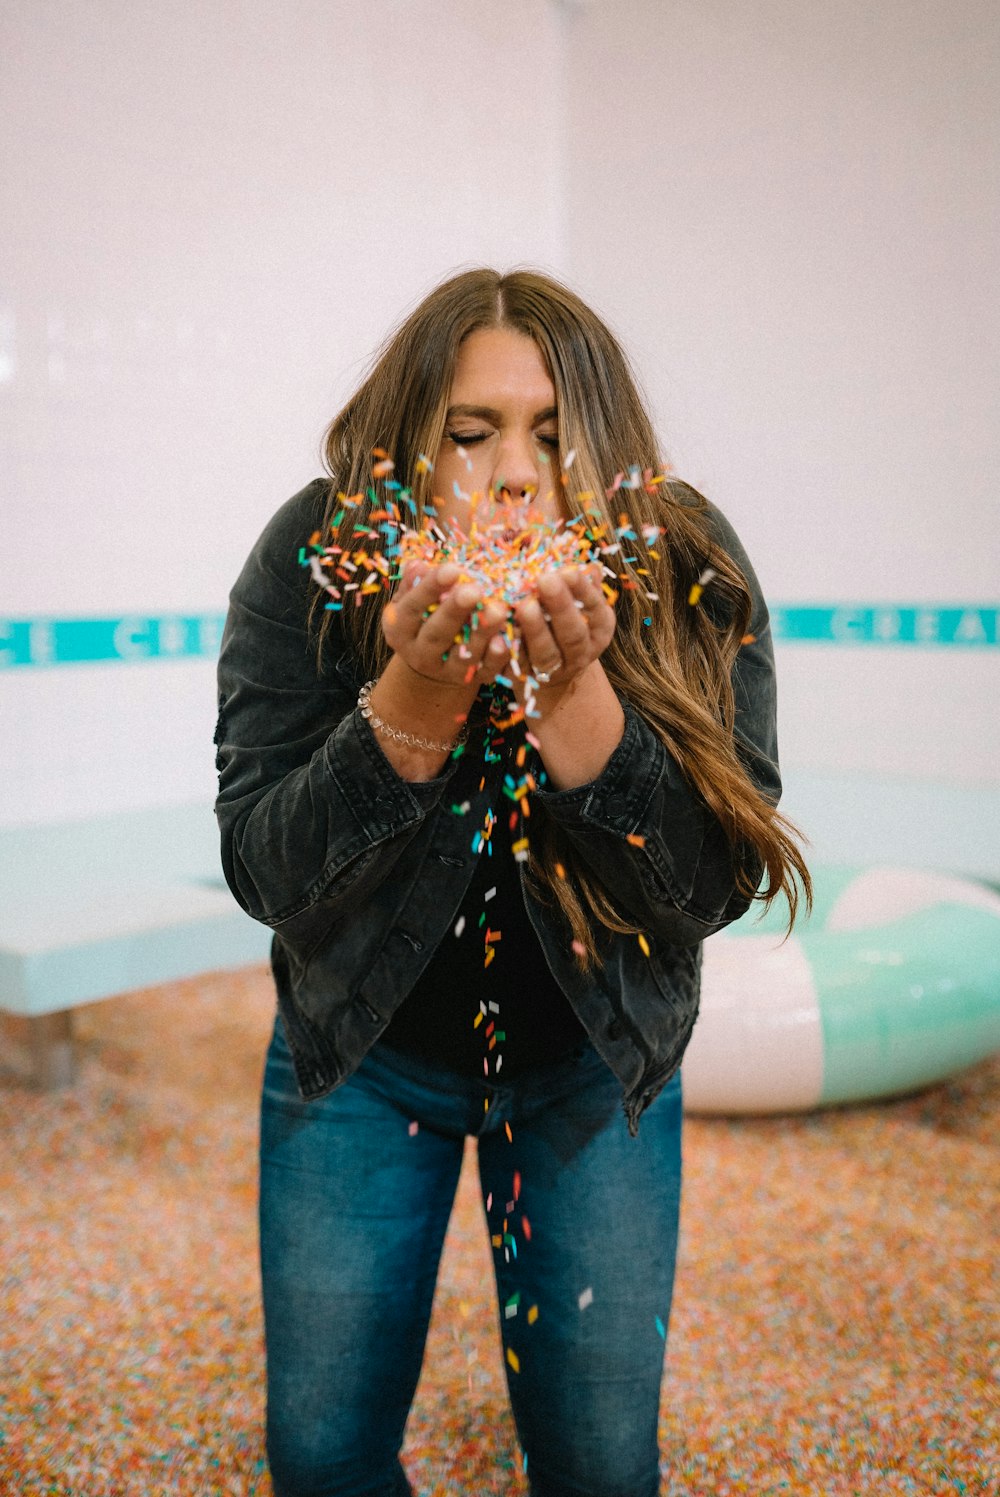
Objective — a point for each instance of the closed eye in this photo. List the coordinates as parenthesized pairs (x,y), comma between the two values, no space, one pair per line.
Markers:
(472,438)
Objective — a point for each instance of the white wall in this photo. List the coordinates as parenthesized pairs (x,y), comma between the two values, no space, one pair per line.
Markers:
(791,213)
(210,215)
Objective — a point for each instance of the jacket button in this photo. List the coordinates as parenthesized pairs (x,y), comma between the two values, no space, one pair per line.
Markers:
(616,805)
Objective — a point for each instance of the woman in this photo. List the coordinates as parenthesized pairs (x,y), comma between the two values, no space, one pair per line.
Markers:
(432,986)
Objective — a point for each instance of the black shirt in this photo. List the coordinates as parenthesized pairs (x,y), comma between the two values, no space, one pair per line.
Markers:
(487,993)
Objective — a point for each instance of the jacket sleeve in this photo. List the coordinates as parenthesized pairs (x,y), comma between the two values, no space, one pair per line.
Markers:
(678,880)
(310,811)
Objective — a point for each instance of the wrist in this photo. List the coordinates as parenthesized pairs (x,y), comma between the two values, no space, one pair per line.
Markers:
(579,727)
(409,703)
(404,736)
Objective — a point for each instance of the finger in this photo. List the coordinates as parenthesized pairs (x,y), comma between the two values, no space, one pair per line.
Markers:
(566,620)
(584,583)
(461,618)
(420,590)
(596,612)
(539,641)
(496,659)
(431,584)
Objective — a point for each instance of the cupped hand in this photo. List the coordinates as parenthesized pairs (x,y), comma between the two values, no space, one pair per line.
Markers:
(440,628)
(566,626)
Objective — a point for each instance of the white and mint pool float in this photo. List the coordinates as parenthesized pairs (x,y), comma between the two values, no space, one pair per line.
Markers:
(892,985)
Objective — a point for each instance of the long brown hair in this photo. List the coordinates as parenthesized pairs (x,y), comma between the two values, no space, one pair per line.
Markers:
(676,668)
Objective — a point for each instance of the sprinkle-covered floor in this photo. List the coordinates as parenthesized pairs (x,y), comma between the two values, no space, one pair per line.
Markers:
(836,1326)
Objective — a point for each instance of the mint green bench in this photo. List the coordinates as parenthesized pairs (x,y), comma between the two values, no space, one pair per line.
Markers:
(91,909)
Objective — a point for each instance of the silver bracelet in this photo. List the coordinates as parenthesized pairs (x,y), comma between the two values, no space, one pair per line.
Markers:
(369,714)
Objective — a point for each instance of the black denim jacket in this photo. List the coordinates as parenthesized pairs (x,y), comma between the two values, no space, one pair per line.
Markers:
(360,873)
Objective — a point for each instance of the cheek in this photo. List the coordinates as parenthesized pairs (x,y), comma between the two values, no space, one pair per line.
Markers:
(449,471)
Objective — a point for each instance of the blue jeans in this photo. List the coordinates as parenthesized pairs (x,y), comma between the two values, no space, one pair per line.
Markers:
(354,1204)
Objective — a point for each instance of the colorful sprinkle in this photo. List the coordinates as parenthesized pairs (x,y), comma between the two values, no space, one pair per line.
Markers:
(820,1342)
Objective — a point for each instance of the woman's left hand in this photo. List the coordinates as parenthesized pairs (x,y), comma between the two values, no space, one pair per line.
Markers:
(566,626)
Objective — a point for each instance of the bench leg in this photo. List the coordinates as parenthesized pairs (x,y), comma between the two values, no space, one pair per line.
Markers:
(53,1062)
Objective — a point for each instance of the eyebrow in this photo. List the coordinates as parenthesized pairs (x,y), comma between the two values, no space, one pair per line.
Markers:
(490,413)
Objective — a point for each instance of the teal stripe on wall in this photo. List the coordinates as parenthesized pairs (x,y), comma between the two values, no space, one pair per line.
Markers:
(47,641)
(51,641)
(955,625)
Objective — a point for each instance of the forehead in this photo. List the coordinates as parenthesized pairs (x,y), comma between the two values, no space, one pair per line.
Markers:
(506,365)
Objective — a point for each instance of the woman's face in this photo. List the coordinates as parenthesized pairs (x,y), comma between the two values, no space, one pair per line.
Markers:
(500,452)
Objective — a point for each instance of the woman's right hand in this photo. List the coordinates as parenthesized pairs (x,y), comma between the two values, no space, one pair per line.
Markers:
(425,623)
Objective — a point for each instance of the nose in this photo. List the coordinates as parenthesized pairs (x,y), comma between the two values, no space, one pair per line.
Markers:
(517,476)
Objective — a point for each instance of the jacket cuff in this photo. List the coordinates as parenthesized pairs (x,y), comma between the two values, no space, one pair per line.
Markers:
(619,796)
(383,802)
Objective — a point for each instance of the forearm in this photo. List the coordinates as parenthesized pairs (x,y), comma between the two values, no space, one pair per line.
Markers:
(580,727)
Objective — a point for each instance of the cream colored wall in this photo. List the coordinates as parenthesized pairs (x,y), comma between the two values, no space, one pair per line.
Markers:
(792,212)
(210,215)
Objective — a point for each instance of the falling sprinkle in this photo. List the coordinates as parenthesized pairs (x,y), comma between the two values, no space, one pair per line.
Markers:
(661,1328)
(532,1314)
(635,839)
(513,1360)
(510,1136)
(643,944)
(414,1127)
(694,596)
(586,1299)
(459,925)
